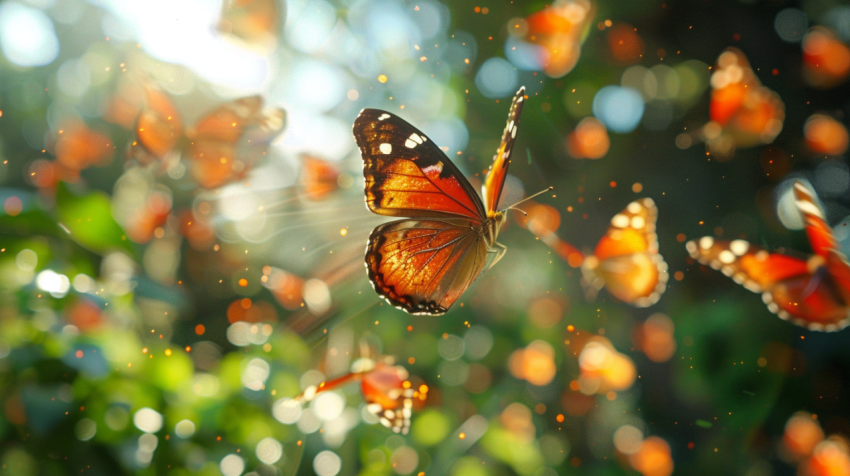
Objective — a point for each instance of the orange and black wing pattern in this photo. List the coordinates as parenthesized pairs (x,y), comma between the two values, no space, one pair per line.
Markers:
(391,397)
(626,261)
(819,232)
(797,290)
(227,141)
(822,239)
(408,175)
(495,181)
(424,266)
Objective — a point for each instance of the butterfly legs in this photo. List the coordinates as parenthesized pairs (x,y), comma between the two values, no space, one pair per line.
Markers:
(500,251)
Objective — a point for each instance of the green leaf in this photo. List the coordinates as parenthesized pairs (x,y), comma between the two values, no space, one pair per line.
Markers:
(88,220)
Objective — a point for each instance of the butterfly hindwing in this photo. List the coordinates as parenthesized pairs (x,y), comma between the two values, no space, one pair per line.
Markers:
(495,181)
(626,260)
(407,174)
(423,266)
(797,290)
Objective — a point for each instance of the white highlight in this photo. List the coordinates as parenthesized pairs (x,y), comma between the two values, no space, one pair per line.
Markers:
(620,220)
(739,247)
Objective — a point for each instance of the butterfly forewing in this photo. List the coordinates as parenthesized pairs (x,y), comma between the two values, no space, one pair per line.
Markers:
(423,266)
(495,181)
(819,232)
(626,260)
(407,174)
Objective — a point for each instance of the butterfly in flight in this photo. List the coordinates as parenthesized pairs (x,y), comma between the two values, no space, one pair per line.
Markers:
(423,264)
(220,147)
(811,292)
(743,112)
(626,260)
(386,389)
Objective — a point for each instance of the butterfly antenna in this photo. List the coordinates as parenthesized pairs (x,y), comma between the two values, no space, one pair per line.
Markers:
(512,207)
(517,209)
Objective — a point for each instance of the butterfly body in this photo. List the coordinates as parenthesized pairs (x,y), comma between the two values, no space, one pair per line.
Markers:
(812,292)
(424,263)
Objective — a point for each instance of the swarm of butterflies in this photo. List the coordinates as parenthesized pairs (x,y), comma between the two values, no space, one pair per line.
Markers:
(424,263)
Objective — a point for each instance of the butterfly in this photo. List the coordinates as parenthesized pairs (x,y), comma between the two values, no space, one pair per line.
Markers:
(318,177)
(558,30)
(255,23)
(743,112)
(626,260)
(423,264)
(826,59)
(220,147)
(811,292)
(386,389)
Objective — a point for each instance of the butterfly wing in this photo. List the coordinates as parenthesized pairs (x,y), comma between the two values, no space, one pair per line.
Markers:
(819,232)
(789,286)
(257,23)
(626,260)
(423,266)
(159,128)
(318,177)
(495,181)
(407,174)
(391,397)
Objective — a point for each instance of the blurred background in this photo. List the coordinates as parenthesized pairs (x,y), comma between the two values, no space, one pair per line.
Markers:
(182,236)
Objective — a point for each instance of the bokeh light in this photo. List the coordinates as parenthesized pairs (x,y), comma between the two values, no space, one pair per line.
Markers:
(27,36)
(620,109)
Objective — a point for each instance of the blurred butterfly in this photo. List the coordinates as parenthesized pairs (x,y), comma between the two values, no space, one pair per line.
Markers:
(255,23)
(423,264)
(743,112)
(386,389)
(626,260)
(318,177)
(220,147)
(558,31)
(826,59)
(811,292)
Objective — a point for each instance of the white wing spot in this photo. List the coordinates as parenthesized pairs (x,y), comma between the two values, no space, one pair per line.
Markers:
(386,148)
(726,257)
(383,116)
(706,242)
(634,207)
(410,143)
(638,223)
(810,208)
(620,220)
(739,247)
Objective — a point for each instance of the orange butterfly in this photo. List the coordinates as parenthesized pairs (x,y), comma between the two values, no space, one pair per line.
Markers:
(559,29)
(826,59)
(626,260)
(386,389)
(256,23)
(423,264)
(743,112)
(220,147)
(318,177)
(812,292)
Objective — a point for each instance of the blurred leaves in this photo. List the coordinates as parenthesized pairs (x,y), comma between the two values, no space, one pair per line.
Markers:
(87,218)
